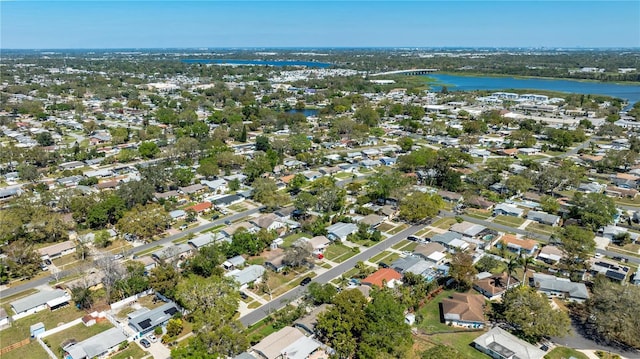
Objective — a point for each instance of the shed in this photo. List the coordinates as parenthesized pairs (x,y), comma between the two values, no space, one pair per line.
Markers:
(36,329)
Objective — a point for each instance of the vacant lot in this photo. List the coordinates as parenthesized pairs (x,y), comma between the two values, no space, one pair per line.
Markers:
(565,353)
(338,252)
(509,221)
(20,328)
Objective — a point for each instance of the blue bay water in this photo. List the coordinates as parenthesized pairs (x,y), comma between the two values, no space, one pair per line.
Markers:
(630,93)
(282,63)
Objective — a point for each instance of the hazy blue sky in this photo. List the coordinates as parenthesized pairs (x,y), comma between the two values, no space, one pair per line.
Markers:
(150,24)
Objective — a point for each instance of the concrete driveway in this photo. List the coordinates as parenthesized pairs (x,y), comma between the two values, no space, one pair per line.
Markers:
(157,350)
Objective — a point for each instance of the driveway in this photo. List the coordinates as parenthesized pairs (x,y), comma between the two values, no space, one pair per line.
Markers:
(157,350)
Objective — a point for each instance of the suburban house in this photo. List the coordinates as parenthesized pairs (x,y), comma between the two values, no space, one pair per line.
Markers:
(493,286)
(228,200)
(230,230)
(50,299)
(249,274)
(177,214)
(451,240)
(201,207)
(450,196)
(148,262)
(319,243)
(341,230)
(544,218)
(57,250)
(504,209)
(464,310)
(5,319)
(275,262)
(234,262)
(468,229)
(560,287)
(205,239)
(216,186)
(145,321)
(383,276)
(175,252)
(518,246)
(268,221)
(371,220)
(308,322)
(97,346)
(480,203)
(193,189)
(609,269)
(500,344)
(550,254)
(290,343)
(428,250)
(415,265)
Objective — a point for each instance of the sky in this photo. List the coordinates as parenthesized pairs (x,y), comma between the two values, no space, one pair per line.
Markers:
(307,23)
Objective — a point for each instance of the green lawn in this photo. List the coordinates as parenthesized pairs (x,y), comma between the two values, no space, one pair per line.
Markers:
(148,251)
(291,239)
(19,329)
(431,315)
(133,351)
(385,227)
(444,223)
(477,213)
(400,244)
(539,228)
(565,353)
(32,350)
(379,256)
(509,221)
(338,252)
(261,329)
(410,247)
(461,342)
(78,333)
(399,229)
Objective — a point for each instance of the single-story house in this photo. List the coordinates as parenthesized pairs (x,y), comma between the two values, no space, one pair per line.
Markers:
(146,322)
(468,229)
(388,161)
(450,196)
(268,221)
(560,287)
(177,214)
(609,269)
(247,275)
(593,187)
(216,186)
(451,240)
(493,286)
(505,209)
(611,232)
(178,251)
(319,243)
(230,230)
(7,193)
(201,207)
(228,200)
(50,299)
(148,263)
(308,322)
(427,249)
(97,346)
(57,250)
(550,254)
(234,262)
(290,343)
(544,218)
(205,240)
(383,276)
(480,203)
(341,230)
(194,188)
(276,261)
(415,265)
(5,319)
(464,310)
(518,246)
(500,344)
(166,195)
(372,220)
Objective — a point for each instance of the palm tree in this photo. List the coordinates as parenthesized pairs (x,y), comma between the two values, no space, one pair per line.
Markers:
(512,264)
(525,261)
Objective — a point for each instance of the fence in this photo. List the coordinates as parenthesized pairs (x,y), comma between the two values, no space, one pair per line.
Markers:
(17,345)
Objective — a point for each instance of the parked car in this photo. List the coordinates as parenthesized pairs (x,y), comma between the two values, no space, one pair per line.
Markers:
(383,265)
(183,227)
(305,281)
(152,338)
(227,222)
(47,262)
(145,343)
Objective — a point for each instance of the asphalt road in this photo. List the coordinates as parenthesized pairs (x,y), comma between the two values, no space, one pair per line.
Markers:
(277,303)
(43,281)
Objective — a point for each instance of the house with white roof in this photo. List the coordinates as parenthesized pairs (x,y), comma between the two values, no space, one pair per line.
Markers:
(560,287)
(97,346)
(49,299)
(249,274)
(505,209)
(500,344)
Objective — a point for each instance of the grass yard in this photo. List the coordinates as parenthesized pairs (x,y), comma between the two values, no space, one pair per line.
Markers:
(338,252)
(215,228)
(422,232)
(19,330)
(539,228)
(326,265)
(477,213)
(238,207)
(32,350)
(431,315)
(148,251)
(343,175)
(385,227)
(254,305)
(261,329)
(78,333)
(565,353)
(444,223)
(461,342)
(400,244)
(65,260)
(133,351)
(399,229)
(379,256)
(509,221)
(410,247)
(289,240)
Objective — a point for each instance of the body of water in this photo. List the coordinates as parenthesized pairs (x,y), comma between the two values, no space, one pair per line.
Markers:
(305,112)
(630,93)
(321,65)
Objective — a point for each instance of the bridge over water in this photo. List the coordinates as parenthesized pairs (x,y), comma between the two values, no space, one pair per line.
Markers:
(405,72)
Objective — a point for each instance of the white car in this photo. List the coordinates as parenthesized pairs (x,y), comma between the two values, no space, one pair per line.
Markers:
(152,338)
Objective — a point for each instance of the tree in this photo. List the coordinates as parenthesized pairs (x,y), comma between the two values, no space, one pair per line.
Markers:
(525,262)
(418,206)
(44,139)
(164,279)
(613,312)
(298,254)
(342,325)
(367,115)
(462,269)
(135,192)
(81,295)
(382,185)
(517,184)
(262,143)
(386,333)
(594,210)
(549,204)
(266,192)
(577,245)
(321,293)
(405,143)
(212,303)
(102,239)
(532,315)
(329,196)
(207,261)
(174,328)
(512,264)
(144,221)
(183,176)
(148,149)
(28,172)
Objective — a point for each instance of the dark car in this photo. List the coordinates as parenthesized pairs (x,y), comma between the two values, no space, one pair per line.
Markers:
(305,281)
(215,216)
(243,295)
(227,222)
(145,343)
(383,265)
